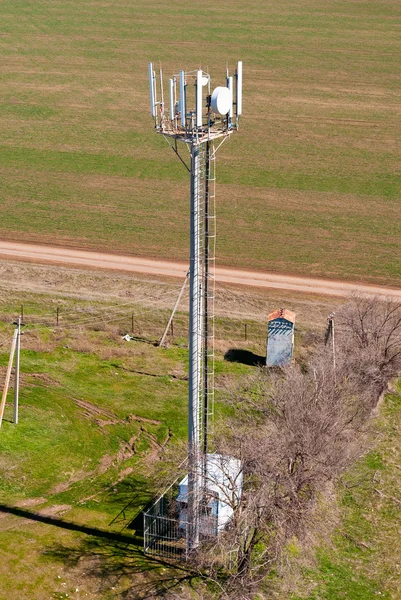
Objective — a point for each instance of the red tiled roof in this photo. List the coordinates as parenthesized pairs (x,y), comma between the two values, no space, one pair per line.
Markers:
(281,313)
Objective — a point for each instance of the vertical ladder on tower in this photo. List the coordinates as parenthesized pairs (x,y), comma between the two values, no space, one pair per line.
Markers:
(202,378)
(208,258)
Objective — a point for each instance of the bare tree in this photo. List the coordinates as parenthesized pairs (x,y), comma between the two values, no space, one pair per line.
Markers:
(369,342)
(294,432)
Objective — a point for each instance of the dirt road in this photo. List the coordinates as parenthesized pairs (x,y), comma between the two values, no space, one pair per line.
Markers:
(258,279)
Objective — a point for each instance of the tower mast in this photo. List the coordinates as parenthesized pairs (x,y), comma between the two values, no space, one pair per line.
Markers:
(198,119)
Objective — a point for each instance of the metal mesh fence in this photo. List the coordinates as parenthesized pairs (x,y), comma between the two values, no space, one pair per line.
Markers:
(162,534)
(166,527)
(164,537)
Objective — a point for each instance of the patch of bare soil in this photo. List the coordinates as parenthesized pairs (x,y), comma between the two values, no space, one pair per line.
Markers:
(153,455)
(128,449)
(63,486)
(103,417)
(56,509)
(26,379)
(143,420)
(178,373)
(104,422)
(124,473)
(91,411)
(39,377)
(30,502)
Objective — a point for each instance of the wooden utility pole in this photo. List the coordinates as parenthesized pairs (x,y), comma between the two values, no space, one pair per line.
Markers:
(8,375)
(132,323)
(57,315)
(16,383)
(330,334)
(334,347)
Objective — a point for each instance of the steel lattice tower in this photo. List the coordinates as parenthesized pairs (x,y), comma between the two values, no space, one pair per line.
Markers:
(200,121)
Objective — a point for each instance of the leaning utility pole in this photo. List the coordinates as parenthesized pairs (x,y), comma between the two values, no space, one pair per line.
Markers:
(8,375)
(169,323)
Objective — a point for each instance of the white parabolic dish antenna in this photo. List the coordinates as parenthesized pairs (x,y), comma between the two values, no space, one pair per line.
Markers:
(221,100)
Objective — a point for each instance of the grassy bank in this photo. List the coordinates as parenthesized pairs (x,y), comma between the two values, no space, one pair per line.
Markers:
(362,561)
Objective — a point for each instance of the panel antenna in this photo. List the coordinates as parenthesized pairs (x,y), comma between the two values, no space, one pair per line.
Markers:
(151,90)
(182,98)
(171,95)
(239,88)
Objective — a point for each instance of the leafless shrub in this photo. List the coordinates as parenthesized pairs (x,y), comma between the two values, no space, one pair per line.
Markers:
(111,352)
(369,343)
(98,326)
(107,347)
(293,434)
(82,344)
(7,318)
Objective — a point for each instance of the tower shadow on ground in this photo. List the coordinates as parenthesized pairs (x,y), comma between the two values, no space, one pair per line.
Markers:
(246,357)
(110,558)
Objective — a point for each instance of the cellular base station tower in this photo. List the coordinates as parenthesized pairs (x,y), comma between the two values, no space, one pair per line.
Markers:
(195,121)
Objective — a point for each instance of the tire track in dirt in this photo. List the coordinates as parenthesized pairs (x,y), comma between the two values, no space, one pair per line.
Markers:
(103,417)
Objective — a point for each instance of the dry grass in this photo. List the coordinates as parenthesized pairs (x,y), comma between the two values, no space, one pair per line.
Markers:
(91,287)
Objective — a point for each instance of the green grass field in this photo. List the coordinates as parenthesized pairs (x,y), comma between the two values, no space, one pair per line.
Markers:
(81,454)
(311,183)
(95,415)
